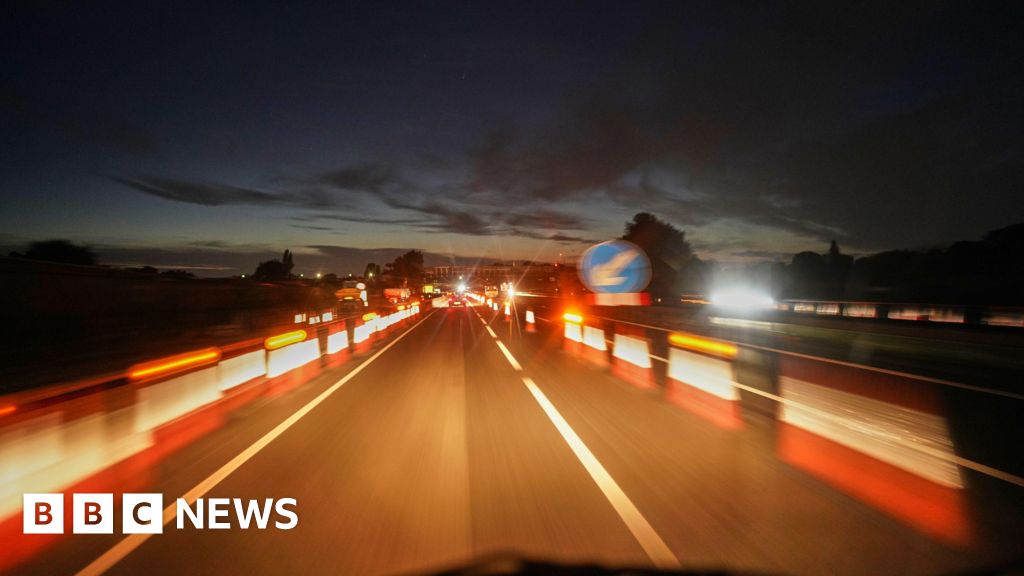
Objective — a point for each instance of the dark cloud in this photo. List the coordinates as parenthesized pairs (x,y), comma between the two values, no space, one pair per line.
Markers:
(548,219)
(351,258)
(558,237)
(372,178)
(819,130)
(881,125)
(204,194)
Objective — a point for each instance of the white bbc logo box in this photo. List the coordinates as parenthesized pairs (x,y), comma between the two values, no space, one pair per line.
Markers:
(92,513)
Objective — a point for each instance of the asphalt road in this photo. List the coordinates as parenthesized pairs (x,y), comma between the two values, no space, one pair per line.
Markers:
(435,451)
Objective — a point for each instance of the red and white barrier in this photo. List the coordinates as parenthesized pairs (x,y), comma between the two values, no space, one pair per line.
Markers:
(240,369)
(160,403)
(878,437)
(595,347)
(632,360)
(619,299)
(338,339)
(705,386)
(574,331)
(860,311)
(288,358)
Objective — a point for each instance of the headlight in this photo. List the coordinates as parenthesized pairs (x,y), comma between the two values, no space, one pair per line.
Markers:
(742,300)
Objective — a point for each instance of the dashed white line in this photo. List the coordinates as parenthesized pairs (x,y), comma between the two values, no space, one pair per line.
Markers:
(508,355)
(659,552)
(649,540)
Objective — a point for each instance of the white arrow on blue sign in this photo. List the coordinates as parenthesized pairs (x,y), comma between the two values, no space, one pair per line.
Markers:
(616,266)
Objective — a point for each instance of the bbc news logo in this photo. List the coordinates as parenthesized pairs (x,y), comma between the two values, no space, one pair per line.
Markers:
(143,513)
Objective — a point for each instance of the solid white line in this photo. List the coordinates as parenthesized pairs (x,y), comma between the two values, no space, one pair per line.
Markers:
(115,554)
(649,540)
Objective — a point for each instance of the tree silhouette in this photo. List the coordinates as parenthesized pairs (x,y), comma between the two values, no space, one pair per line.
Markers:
(275,269)
(62,251)
(372,270)
(668,250)
(408,267)
(287,262)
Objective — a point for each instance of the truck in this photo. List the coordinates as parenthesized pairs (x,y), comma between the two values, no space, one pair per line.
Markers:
(395,295)
(352,293)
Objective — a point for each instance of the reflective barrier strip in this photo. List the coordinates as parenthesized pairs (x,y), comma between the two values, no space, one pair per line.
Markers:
(164,401)
(291,357)
(594,338)
(531,321)
(595,348)
(907,313)
(946,315)
(619,299)
(859,311)
(241,369)
(337,341)
(632,361)
(827,309)
(874,436)
(573,332)
(704,386)
(362,332)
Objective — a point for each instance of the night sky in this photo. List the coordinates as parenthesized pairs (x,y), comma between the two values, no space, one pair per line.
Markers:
(213,137)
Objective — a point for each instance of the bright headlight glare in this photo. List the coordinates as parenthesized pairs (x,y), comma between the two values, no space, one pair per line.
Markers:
(742,300)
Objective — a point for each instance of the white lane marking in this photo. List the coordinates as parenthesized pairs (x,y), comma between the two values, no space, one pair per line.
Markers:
(491,332)
(508,355)
(117,553)
(649,540)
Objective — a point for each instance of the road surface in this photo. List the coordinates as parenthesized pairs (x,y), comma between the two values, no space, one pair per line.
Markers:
(440,448)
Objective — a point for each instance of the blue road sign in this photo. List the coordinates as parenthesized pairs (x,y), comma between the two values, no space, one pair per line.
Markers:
(615,266)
